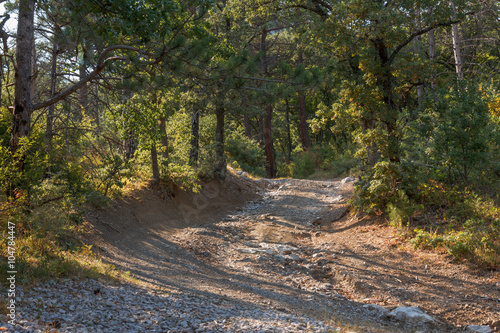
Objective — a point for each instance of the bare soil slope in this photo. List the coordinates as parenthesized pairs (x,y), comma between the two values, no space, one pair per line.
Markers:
(295,248)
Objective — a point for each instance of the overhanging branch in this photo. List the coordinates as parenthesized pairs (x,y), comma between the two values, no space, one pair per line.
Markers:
(415,34)
(101,64)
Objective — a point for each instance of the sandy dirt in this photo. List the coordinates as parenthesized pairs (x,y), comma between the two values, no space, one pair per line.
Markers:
(294,246)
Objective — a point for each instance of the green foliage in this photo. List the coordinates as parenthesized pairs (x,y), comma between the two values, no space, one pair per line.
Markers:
(460,130)
(338,163)
(387,184)
(304,164)
(245,152)
(34,163)
(5,123)
(477,241)
(460,221)
(96,200)
(184,176)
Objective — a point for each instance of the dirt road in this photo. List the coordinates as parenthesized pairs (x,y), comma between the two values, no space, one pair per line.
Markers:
(296,248)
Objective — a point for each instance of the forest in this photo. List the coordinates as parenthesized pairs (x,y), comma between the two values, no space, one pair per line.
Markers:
(404,95)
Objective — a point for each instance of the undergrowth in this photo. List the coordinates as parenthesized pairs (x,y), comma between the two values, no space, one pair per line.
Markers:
(457,220)
(47,241)
(463,222)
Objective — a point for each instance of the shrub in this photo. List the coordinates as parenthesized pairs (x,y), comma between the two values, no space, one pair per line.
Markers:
(304,164)
(245,152)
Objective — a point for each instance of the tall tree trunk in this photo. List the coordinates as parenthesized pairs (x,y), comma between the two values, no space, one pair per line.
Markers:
(390,116)
(84,90)
(154,165)
(248,127)
(21,120)
(95,107)
(417,47)
(260,134)
(372,152)
(129,143)
(195,138)
(432,57)
(164,140)
(288,133)
(51,109)
(268,137)
(269,149)
(220,160)
(456,46)
(303,127)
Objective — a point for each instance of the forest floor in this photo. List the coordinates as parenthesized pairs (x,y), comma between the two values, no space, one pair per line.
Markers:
(293,246)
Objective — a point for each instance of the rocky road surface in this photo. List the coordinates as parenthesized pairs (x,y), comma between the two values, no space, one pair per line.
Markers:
(268,266)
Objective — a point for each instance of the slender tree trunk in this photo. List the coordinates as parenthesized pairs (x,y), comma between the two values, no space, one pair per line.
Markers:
(456,46)
(154,165)
(129,143)
(21,120)
(288,133)
(432,57)
(195,138)
(268,137)
(96,107)
(371,149)
(417,47)
(51,109)
(220,160)
(248,127)
(84,90)
(260,135)
(164,141)
(269,149)
(303,127)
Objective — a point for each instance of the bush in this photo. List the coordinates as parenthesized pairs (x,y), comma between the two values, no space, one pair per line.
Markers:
(340,164)
(458,131)
(304,164)
(246,153)
(459,221)
(387,184)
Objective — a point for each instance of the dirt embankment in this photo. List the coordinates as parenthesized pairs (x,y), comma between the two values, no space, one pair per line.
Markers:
(292,246)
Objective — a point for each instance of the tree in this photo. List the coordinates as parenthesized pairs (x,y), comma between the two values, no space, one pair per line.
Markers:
(23,104)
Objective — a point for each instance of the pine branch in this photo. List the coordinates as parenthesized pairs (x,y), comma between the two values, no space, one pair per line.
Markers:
(101,64)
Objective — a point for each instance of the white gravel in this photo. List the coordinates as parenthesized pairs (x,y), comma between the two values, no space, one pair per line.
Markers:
(94,306)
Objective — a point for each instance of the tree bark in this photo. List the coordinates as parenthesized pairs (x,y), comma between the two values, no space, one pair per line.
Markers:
(260,134)
(288,155)
(390,115)
(51,109)
(220,160)
(269,148)
(303,127)
(268,137)
(417,47)
(456,46)
(21,120)
(164,140)
(432,57)
(154,165)
(372,152)
(248,127)
(195,138)
(84,90)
